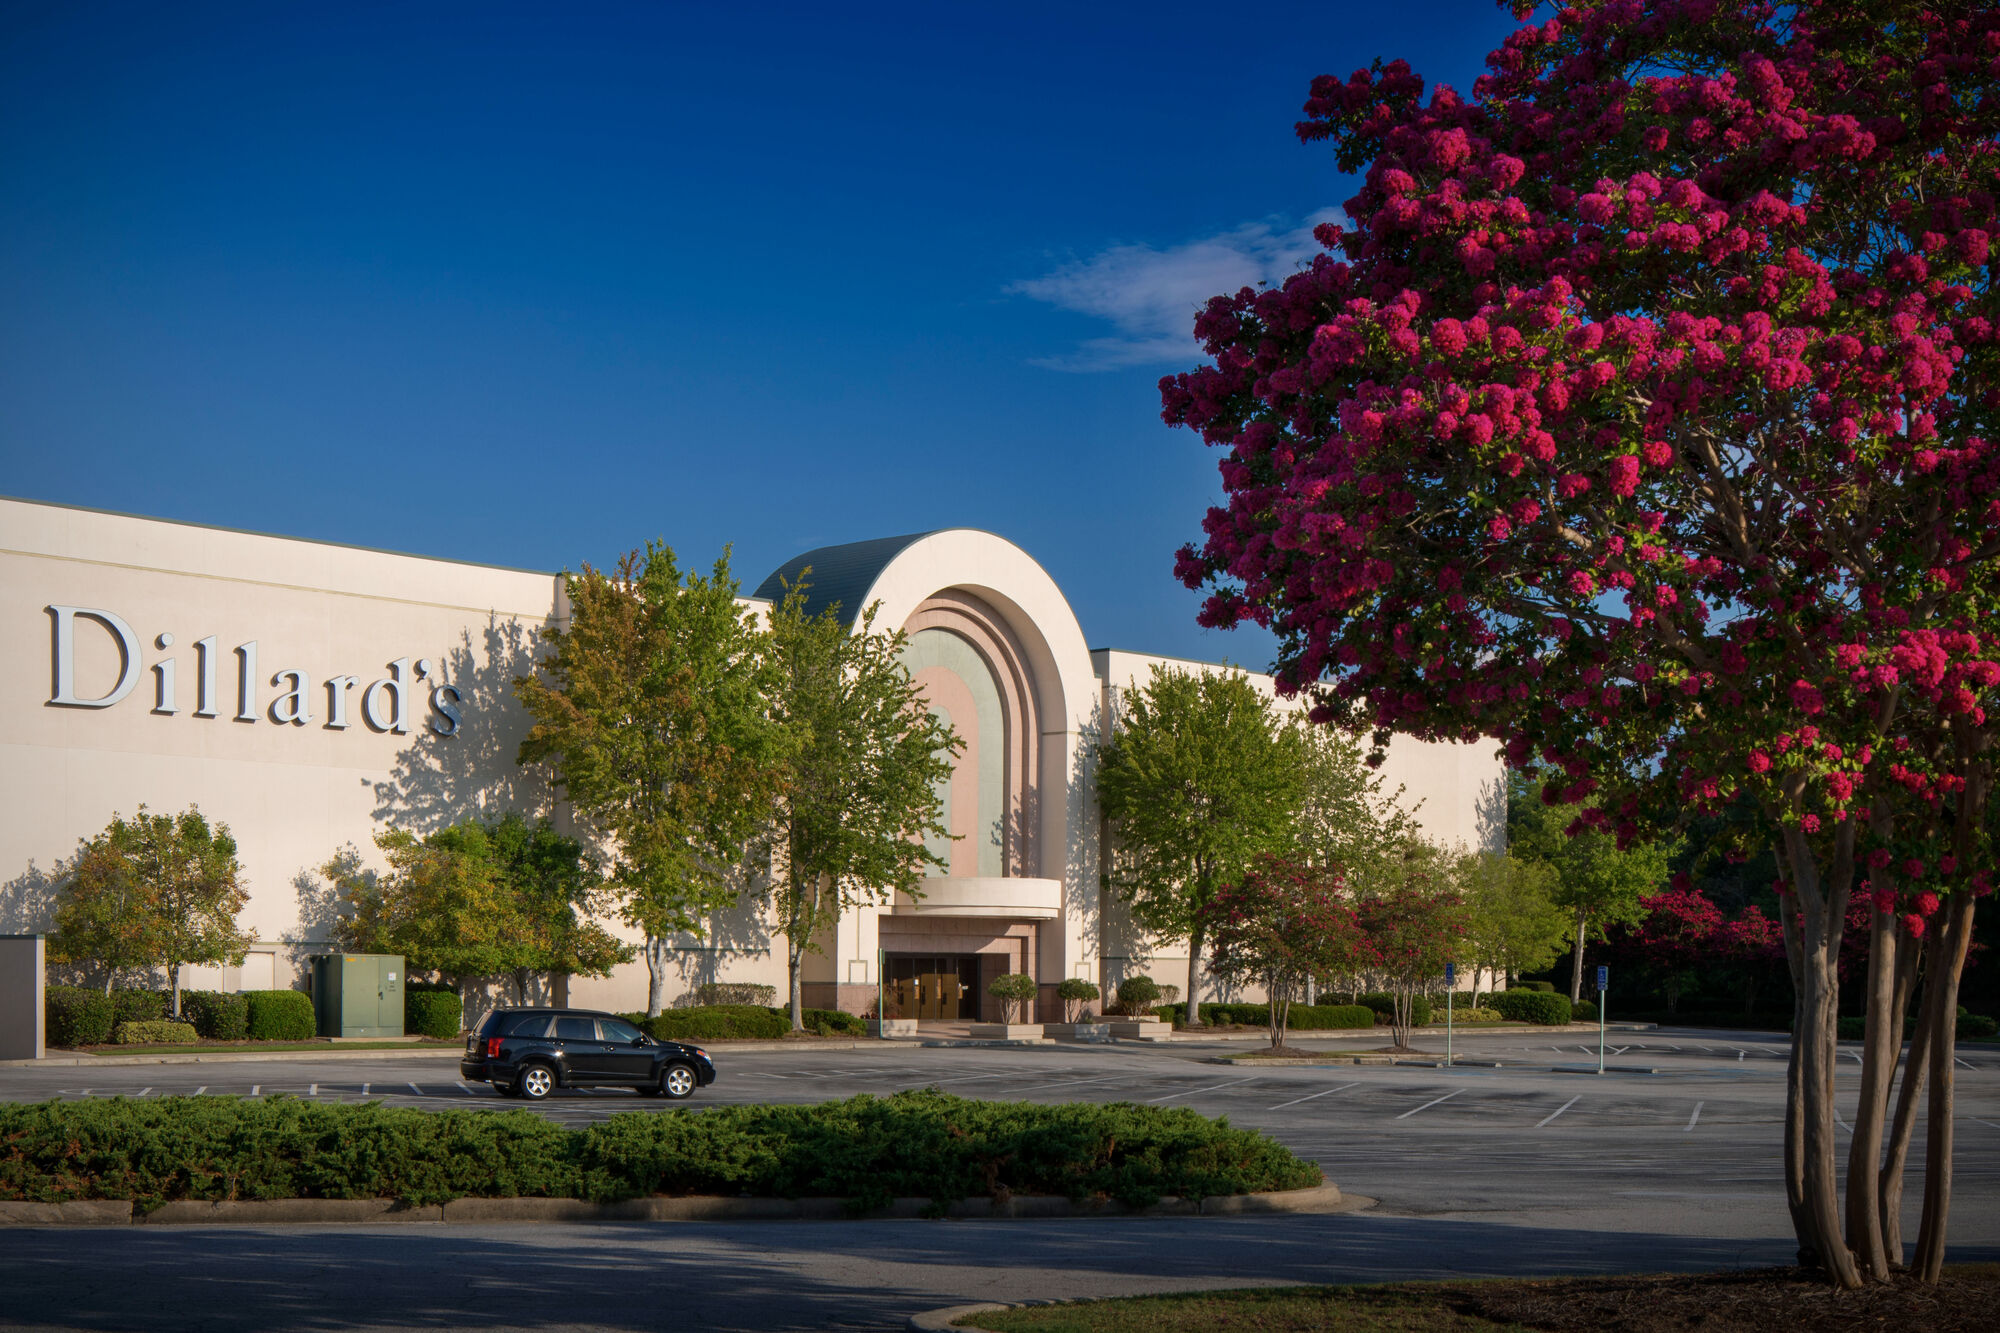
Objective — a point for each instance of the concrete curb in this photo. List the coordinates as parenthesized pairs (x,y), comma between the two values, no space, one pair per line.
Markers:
(934,1321)
(697,1208)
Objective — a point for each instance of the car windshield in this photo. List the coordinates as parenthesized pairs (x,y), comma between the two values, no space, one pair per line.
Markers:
(576,1029)
(612,1029)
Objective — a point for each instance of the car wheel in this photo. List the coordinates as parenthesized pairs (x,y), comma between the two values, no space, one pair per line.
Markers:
(678,1081)
(535,1082)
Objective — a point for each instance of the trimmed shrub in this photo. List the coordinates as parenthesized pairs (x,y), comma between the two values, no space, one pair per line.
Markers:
(827,1022)
(430,1013)
(1975,1026)
(1076,994)
(280,1015)
(1532,1006)
(1546,987)
(139,1006)
(1014,990)
(1138,995)
(216,1015)
(1383,1005)
(77,1016)
(1327,1017)
(1303,1017)
(926,1144)
(1479,1014)
(154,1032)
(1583,1011)
(712,993)
(716,1022)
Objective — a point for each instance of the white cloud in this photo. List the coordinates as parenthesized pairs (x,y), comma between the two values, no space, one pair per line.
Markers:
(1150,296)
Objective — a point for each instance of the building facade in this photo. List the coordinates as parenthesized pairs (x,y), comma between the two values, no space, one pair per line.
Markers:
(310,694)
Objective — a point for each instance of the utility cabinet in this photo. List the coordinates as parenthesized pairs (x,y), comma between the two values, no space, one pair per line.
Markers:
(358,994)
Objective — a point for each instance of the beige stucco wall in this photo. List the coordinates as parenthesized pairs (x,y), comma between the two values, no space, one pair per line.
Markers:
(292,794)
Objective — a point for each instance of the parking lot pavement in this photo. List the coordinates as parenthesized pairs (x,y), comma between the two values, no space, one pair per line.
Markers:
(1692,1149)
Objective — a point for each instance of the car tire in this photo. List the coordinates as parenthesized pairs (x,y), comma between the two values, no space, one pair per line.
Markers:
(535,1082)
(678,1081)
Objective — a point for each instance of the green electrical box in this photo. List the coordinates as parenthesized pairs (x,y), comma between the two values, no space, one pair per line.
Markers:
(358,994)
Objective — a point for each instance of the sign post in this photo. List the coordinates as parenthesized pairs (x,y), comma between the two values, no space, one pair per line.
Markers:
(1603,984)
(1448,985)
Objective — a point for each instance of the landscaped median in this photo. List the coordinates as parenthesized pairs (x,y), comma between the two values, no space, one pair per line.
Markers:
(919,1152)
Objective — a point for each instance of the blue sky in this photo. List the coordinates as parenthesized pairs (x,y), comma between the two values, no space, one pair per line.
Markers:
(530,284)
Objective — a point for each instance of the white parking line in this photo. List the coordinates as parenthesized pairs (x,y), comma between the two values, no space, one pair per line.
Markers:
(1559,1110)
(1314,1097)
(1977,1121)
(1696,1116)
(1739,1057)
(1961,1062)
(1429,1104)
(1213,1087)
(1842,1123)
(197,1092)
(465,1088)
(256,1088)
(142,1092)
(414,1088)
(312,1090)
(1068,1083)
(365,1087)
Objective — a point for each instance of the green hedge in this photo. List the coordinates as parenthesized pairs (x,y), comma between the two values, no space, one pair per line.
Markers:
(1970,1027)
(1546,987)
(77,1016)
(1303,1017)
(1532,1006)
(925,1144)
(1583,1011)
(1384,1005)
(157,1032)
(139,1006)
(216,1015)
(280,1015)
(744,1022)
(429,1013)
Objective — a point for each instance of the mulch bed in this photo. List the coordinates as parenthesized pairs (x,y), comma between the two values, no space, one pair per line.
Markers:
(1763,1300)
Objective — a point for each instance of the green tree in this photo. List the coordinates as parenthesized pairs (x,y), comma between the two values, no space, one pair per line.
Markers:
(154,890)
(864,761)
(1199,778)
(1283,926)
(1347,817)
(1415,921)
(651,711)
(1513,923)
(553,891)
(439,905)
(1596,883)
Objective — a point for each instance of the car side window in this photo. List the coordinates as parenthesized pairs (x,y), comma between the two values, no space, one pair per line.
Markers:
(526,1025)
(617,1030)
(575,1029)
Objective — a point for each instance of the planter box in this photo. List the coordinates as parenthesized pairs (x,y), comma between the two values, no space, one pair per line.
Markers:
(1139,1029)
(1006,1031)
(1079,1031)
(892,1027)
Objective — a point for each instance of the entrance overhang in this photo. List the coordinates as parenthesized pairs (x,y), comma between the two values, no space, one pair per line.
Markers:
(1016,897)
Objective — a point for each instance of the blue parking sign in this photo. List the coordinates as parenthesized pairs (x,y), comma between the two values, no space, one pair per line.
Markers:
(1603,977)
(1447,974)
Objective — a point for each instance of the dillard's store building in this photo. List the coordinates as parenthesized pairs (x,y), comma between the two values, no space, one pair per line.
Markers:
(309,695)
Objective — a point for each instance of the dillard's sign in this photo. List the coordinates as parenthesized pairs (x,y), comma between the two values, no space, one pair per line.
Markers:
(385,704)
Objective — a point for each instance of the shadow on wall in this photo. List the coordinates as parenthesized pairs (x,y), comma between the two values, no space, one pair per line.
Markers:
(439,780)
(28,901)
(1490,814)
(1121,947)
(740,931)
(319,912)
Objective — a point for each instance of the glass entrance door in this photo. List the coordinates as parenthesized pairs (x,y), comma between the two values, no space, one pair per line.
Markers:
(935,986)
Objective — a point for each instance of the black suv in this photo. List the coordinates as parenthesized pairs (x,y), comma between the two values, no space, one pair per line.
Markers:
(532,1052)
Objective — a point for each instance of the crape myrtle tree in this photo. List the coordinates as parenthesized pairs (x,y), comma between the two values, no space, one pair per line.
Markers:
(650,710)
(1678,934)
(1639,418)
(1283,925)
(1198,778)
(865,762)
(1415,922)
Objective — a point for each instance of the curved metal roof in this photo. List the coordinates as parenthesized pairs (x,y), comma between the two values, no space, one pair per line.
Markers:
(842,574)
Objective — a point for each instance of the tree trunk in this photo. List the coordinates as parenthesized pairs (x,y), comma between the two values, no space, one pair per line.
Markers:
(1916,1069)
(794,957)
(1576,962)
(1880,1048)
(1191,1015)
(656,966)
(174,984)
(1941,1014)
(1816,1197)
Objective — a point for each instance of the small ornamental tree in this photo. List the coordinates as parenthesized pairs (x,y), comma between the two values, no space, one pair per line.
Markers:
(1138,995)
(1640,416)
(1015,991)
(1414,926)
(1678,933)
(1076,993)
(1198,779)
(1513,924)
(863,761)
(1282,926)
(154,890)
(439,905)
